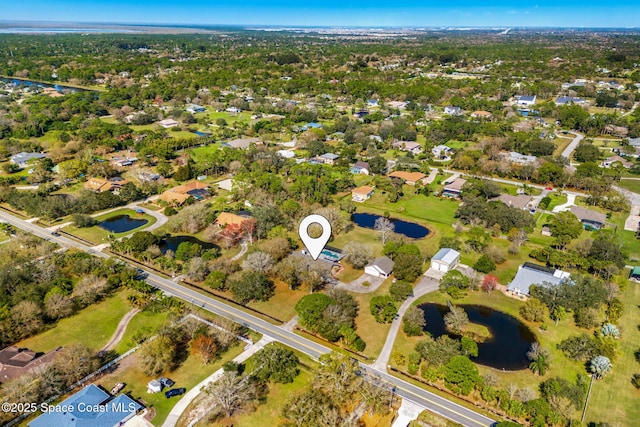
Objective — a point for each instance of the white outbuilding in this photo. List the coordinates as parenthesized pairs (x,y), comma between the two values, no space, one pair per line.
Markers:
(445,260)
(380,267)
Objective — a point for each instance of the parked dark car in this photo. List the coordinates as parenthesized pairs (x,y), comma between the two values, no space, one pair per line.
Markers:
(174,392)
(167,382)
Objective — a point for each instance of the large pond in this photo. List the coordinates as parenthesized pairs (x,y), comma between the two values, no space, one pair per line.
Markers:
(510,341)
(409,229)
(121,223)
(27,82)
(172,243)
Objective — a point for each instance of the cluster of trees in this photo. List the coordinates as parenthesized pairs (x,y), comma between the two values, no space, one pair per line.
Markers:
(43,204)
(35,294)
(337,387)
(172,343)
(601,255)
(584,296)
(331,315)
(446,360)
(490,213)
(407,259)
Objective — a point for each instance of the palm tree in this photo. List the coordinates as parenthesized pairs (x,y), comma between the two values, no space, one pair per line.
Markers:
(600,366)
(540,359)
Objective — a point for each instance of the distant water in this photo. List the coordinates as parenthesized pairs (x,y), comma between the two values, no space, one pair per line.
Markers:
(46,30)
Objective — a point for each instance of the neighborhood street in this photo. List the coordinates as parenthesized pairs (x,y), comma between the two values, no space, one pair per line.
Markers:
(401,388)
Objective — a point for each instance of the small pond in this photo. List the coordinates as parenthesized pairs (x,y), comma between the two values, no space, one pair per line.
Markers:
(197,132)
(121,223)
(510,341)
(172,243)
(409,229)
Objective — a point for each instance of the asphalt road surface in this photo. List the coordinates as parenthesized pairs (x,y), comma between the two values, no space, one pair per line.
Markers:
(405,390)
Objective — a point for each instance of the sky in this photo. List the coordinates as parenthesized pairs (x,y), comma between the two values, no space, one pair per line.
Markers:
(407,13)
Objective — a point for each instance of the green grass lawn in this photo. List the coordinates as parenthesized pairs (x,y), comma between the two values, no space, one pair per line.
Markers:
(556,200)
(268,412)
(282,304)
(614,399)
(92,326)
(143,322)
(630,184)
(98,235)
(372,332)
(187,375)
(499,301)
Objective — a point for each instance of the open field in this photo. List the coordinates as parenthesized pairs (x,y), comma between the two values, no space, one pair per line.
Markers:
(92,327)
(191,372)
(630,184)
(268,412)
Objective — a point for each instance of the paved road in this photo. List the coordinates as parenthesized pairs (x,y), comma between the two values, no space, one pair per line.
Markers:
(403,389)
(424,286)
(572,145)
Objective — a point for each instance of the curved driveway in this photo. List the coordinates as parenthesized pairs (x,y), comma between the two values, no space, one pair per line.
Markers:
(403,389)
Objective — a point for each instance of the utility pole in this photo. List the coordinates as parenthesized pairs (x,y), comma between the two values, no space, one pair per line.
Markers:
(586,402)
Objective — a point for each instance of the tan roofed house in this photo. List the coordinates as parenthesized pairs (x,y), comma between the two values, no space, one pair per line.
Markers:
(408,177)
(100,185)
(227,218)
(480,114)
(178,195)
(361,194)
(97,184)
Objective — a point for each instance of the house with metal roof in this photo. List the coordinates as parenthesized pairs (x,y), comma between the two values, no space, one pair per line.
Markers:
(533,274)
(90,407)
(380,267)
(635,274)
(525,100)
(565,100)
(329,158)
(446,259)
(22,159)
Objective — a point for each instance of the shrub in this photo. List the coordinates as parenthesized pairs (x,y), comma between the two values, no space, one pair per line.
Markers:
(84,221)
(400,290)
(484,264)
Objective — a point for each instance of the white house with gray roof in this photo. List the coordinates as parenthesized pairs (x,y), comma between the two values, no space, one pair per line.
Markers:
(380,267)
(22,159)
(533,274)
(446,259)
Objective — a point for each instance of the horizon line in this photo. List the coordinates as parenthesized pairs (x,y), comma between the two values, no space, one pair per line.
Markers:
(288,26)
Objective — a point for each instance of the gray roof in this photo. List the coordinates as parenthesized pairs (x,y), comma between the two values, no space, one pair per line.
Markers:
(530,98)
(569,100)
(329,156)
(384,263)
(520,201)
(241,142)
(361,165)
(588,215)
(25,157)
(446,255)
(532,274)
